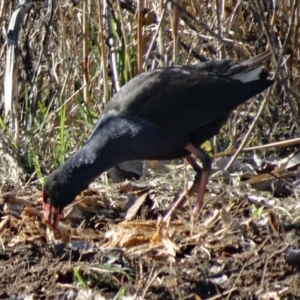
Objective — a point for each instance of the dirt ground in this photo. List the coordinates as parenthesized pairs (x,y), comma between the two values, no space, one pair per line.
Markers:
(112,242)
(242,246)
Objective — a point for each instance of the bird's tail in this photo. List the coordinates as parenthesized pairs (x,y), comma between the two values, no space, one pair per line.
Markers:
(251,69)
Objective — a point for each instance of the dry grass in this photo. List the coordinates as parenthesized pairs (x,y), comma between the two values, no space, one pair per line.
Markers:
(65,60)
(67,72)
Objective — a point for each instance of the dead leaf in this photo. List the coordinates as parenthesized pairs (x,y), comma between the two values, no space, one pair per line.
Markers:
(132,211)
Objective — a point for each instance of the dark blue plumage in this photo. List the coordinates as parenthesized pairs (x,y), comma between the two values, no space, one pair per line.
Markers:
(161,114)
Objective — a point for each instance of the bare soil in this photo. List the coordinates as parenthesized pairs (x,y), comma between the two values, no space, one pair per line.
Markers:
(238,248)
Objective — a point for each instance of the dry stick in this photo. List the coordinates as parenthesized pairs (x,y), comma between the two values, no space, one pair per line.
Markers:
(160,34)
(196,7)
(112,47)
(155,35)
(213,34)
(11,76)
(267,146)
(186,192)
(140,35)
(236,280)
(264,273)
(125,36)
(296,34)
(175,25)
(103,56)
(220,17)
(231,126)
(236,12)
(74,31)
(273,18)
(47,20)
(282,77)
(1,9)
(258,114)
(85,52)
(279,69)
(196,20)
(149,281)
(66,57)
(66,102)
(152,277)
(64,52)
(223,39)
(245,140)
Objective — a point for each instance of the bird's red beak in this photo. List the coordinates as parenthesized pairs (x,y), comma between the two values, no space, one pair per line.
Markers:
(51,214)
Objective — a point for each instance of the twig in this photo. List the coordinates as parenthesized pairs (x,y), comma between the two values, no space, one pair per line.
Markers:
(103,54)
(262,147)
(245,139)
(140,35)
(282,73)
(85,30)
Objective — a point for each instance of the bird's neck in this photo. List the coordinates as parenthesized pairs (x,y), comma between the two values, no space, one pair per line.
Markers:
(106,147)
(85,165)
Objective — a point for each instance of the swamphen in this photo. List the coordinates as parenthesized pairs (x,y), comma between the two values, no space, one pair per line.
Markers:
(165,113)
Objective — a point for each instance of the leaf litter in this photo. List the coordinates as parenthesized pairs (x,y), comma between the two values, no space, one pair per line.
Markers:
(244,245)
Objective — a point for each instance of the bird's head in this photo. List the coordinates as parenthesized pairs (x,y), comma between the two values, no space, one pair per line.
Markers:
(60,189)
(51,213)
(57,194)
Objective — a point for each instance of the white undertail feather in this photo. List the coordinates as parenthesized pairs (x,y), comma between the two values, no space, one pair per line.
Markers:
(253,67)
(248,75)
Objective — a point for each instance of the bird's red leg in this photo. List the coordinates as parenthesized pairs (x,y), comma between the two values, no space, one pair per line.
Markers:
(206,166)
(199,183)
(195,186)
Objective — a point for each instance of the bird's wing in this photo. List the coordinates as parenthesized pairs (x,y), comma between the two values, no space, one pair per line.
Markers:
(184,98)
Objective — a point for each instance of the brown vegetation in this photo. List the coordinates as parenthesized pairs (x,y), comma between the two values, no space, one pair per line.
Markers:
(69,66)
